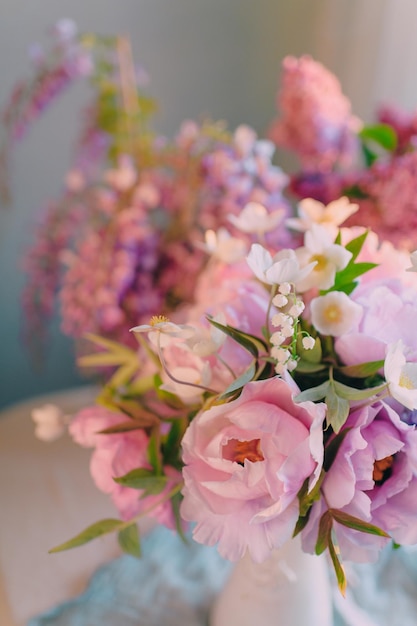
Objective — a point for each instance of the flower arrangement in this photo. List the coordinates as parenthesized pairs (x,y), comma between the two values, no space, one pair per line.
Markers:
(263,374)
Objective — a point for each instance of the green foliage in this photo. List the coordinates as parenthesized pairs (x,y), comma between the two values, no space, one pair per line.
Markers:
(98,529)
(144,480)
(129,540)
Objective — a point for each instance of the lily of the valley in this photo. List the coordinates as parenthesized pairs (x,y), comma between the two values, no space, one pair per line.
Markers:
(401,376)
(284,267)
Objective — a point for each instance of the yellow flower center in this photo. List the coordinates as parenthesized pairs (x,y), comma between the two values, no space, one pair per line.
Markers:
(321,262)
(405,381)
(158,319)
(333,313)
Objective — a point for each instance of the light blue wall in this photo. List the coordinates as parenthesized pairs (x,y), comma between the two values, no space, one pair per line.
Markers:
(220,57)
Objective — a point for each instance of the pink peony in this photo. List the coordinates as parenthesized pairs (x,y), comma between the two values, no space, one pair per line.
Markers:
(117,454)
(245,463)
(373,477)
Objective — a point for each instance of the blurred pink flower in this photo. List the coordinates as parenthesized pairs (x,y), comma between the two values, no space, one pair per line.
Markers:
(315,117)
(245,462)
(117,454)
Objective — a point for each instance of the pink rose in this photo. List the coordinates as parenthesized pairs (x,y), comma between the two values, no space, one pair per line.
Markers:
(245,462)
(117,454)
(373,477)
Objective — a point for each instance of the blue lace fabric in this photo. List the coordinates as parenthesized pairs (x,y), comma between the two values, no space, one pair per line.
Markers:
(174,584)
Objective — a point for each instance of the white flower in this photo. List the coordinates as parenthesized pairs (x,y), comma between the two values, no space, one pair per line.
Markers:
(413,259)
(208,341)
(401,376)
(313,212)
(283,268)
(50,422)
(329,258)
(280,300)
(254,218)
(308,343)
(223,246)
(335,313)
(161,330)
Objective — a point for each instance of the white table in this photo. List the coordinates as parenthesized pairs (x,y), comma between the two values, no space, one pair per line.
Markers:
(46,496)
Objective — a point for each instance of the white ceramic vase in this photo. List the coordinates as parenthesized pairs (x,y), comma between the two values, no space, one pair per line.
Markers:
(291,588)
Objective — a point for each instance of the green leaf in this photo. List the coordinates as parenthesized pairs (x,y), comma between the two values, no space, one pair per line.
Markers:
(123,375)
(306,367)
(357,524)
(325,528)
(129,540)
(382,134)
(314,393)
(175,503)
(301,523)
(103,527)
(252,344)
(355,245)
(306,497)
(122,427)
(239,382)
(337,409)
(142,479)
(363,370)
(338,567)
(351,393)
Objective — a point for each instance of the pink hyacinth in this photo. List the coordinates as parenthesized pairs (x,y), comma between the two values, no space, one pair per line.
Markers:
(373,477)
(315,117)
(245,462)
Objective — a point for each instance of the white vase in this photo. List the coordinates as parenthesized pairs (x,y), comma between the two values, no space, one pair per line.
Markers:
(291,588)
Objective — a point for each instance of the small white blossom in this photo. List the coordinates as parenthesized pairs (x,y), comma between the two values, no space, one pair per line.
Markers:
(328,257)
(50,422)
(297,308)
(284,267)
(335,313)
(277,338)
(308,343)
(313,212)
(280,354)
(401,376)
(280,300)
(254,218)
(285,289)
(224,247)
(161,330)
(291,365)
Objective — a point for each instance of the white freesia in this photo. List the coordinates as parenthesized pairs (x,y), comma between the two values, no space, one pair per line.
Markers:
(50,422)
(284,267)
(223,246)
(329,257)
(335,313)
(401,376)
(314,212)
(254,218)
(161,331)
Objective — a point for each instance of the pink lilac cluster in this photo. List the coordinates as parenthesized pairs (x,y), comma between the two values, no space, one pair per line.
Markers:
(315,119)
(316,123)
(390,206)
(55,69)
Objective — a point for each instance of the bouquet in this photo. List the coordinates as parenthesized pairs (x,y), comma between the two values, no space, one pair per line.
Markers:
(260,366)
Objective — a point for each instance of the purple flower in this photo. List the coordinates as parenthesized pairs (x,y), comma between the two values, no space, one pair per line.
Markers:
(373,477)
